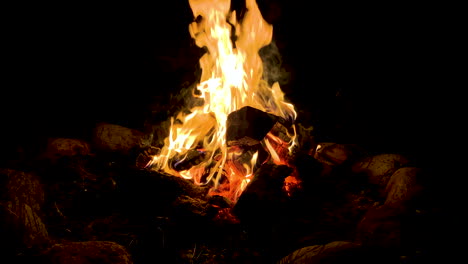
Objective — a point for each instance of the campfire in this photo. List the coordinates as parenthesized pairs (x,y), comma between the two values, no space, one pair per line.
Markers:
(233,171)
(234,113)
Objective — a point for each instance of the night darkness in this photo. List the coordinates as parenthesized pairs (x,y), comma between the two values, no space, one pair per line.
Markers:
(363,73)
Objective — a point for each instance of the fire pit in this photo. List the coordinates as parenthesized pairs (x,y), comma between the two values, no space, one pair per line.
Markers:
(227,169)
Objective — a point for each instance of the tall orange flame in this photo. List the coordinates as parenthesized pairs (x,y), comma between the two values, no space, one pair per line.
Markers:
(232,78)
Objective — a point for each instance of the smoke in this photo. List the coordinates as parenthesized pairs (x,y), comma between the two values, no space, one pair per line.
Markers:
(272,65)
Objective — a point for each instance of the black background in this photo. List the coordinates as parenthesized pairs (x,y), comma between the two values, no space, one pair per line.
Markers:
(371,74)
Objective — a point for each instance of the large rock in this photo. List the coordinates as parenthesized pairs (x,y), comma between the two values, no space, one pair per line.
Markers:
(116,138)
(102,252)
(333,252)
(22,197)
(381,227)
(404,188)
(21,187)
(331,153)
(24,228)
(379,168)
(66,147)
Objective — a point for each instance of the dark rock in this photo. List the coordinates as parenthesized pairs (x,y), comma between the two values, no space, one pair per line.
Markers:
(404,187)
(116,138)
(191,208)
(66,147)
(22,199)
(146,192)
(333,252)
(333,154)
(379,168)
(23,227)
(105,252)
(21,187)
(381,227)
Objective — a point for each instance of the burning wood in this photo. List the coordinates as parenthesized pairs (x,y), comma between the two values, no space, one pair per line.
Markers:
(261,198)
(235,105)
(190,159)
(248,126)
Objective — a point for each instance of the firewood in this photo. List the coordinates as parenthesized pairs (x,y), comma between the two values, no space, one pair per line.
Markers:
(248,126)
(187,160)
(264,193)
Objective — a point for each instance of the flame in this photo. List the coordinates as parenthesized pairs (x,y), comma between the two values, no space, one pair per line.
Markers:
(231,78)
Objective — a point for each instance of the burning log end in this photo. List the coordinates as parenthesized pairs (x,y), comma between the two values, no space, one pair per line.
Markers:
(248,126)
(246,155)
(273,172)
(188,159)
(263,195)
(145,156)
(220,201)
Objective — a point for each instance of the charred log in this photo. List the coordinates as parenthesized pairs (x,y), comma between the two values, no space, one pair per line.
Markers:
(248,126)
(187,160)
(261,197)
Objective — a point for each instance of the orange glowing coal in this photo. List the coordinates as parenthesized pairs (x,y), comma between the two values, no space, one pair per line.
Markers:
(231,78)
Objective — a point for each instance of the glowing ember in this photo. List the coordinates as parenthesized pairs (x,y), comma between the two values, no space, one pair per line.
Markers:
(231,79)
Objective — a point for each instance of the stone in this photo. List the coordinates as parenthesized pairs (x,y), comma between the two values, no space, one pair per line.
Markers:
(381,227)
(21,187)
(115,138)
(333,252)
(102,252)
(403,186)
(25,228)
(66,147)
(334,154)
(379,168)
